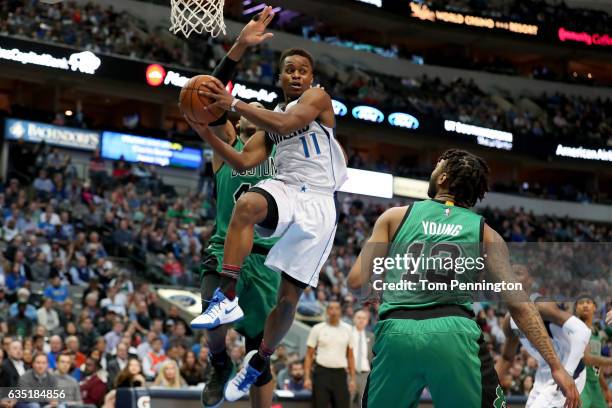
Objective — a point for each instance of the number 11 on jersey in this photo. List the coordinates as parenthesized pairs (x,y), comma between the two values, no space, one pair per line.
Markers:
(313,135)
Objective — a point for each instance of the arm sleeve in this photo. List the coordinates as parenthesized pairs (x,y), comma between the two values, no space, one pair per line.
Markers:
(579,334)
(225,70)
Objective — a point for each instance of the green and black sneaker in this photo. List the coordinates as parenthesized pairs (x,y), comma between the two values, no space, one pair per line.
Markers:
(212,394)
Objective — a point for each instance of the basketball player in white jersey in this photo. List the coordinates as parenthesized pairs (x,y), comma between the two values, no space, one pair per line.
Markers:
(569,336)
(297,205)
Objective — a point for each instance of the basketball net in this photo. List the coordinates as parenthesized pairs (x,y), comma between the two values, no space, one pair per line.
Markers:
(188,16)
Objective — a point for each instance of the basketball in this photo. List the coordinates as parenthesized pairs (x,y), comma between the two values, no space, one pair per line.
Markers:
(192,104)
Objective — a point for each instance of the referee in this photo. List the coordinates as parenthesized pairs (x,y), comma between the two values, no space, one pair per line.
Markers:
(333,343)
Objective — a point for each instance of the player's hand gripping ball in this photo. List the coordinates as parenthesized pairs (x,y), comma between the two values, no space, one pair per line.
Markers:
(195,106)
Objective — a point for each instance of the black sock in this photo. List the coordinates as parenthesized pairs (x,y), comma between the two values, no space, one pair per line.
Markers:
(258,362)
(262,357)
(219,359)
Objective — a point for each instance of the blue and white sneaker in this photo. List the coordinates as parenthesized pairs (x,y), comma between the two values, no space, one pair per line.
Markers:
(239,386)
(220,311)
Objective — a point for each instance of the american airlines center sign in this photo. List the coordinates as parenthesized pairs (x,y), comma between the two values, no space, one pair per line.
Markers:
(579,152)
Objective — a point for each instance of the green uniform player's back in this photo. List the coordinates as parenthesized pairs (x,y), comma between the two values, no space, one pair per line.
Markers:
(421,327)
(443,244)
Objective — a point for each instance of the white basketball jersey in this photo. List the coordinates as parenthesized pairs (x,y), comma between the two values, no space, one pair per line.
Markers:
(309,158)
(561,344)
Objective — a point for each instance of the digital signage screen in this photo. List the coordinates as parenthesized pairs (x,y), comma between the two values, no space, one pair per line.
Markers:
(149,150)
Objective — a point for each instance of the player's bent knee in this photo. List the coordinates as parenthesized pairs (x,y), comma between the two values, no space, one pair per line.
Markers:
(250,209)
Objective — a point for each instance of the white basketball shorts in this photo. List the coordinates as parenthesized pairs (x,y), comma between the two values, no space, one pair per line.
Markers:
(306,229)
(546,394)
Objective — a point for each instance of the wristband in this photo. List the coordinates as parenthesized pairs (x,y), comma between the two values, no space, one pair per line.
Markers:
(233,104)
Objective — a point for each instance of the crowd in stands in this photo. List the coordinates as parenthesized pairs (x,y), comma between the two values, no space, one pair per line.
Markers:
(546,117)
(92,27)
(557,117)
(531,11)
(456,56)
(408,166)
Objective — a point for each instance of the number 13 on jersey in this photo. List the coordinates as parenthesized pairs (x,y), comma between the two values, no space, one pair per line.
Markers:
(306,143)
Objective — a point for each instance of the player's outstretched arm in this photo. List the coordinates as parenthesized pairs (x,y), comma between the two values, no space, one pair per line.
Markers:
(596,361)
(227,133)
(508,350)
(253,33)
(573,328)
(525,314)
(309,107)
(255,151)
(376,247)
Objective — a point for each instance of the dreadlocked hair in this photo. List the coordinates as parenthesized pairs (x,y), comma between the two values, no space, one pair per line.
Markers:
(468,176)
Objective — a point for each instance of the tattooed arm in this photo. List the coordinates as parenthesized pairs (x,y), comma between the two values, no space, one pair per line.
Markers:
(525,314)
(509,349)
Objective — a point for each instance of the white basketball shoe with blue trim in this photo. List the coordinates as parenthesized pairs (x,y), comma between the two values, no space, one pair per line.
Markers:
(220,311)
(239,386)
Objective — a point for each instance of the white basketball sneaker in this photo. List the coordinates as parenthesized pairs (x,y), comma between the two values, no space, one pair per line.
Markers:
(220,311)
(239,386)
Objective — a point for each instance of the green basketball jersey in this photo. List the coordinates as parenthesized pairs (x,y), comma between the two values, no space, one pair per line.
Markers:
(594,348)
(230,185)
(439,243)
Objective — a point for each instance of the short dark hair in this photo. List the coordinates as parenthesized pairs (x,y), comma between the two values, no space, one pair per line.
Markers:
(293,363)
(296,51)
(63,354)
(39,354)
(468,176)
(585,296)
(95,361)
